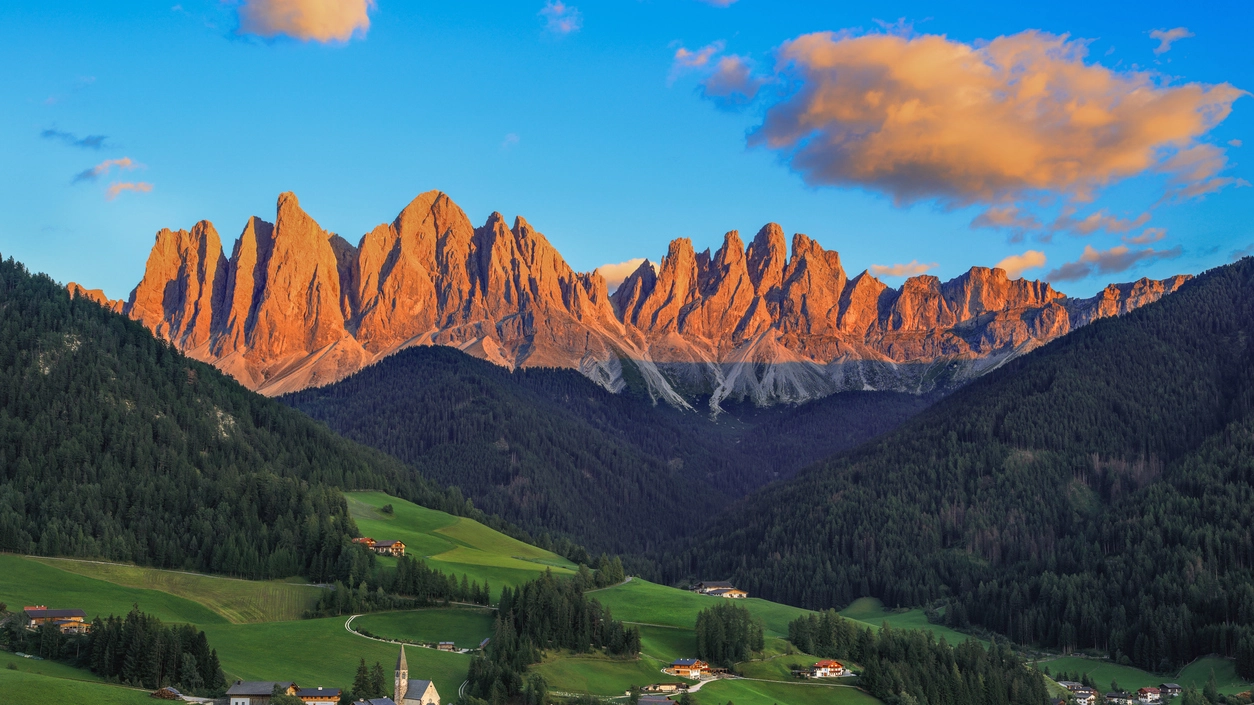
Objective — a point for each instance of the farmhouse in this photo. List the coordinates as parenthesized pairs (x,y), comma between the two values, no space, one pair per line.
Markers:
(257,692)
(376,701)
(1119,698)
(446,646)
(1170,690)
(827,669)
(1084,695)
(1149,695)
(688,668)
(705,587)
(365,541)
(68,621)
(412,692)
(732,593)
(389,548)
(665,687)
(319,696)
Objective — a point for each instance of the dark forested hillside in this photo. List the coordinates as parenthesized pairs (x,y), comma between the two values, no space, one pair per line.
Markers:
(552,451)
(1094,494)
(114,445)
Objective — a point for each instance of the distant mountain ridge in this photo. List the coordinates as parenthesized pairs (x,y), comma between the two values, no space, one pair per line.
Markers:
(295,306)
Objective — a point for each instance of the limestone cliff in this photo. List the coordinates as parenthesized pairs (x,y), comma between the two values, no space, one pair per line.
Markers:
(296,306)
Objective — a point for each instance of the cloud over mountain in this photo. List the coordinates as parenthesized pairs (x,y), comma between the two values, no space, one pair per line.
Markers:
(928,117)
(1015,265)
(1112,261)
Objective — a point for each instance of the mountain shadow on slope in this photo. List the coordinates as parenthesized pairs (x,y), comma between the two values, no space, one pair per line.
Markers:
(1094,494)
(552,451)
(114,445)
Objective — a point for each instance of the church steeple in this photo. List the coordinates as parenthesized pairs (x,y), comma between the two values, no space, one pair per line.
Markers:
(402,676)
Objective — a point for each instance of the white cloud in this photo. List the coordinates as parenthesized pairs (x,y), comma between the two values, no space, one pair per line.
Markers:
(615,273)
(103,168)
(910,269)
(117,188)
(560,18)
(1015,265)
(1166,37)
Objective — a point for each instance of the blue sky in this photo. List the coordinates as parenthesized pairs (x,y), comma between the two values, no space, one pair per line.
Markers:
(587,120)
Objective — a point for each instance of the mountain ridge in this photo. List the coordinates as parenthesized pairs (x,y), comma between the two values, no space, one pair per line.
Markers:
(295,306)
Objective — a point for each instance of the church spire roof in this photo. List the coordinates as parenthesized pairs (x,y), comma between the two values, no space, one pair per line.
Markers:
(400,661)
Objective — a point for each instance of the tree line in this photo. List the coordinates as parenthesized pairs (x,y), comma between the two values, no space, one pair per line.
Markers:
(137,650)
(549,613)
(908,667)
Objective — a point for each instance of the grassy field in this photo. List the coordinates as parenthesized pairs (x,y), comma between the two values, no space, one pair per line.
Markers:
(645,602)
(746,692)
(869,610)
(465,627)
(24,581)
(598,675)
(453,544)
(668,643)
(239,601)
(1129,678)
(316,652)
(34,689)
(10,662)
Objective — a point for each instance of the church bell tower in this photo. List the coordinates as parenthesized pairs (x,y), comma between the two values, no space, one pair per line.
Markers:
(402,677)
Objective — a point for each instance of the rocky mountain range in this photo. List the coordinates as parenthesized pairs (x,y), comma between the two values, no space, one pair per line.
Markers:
(295,306)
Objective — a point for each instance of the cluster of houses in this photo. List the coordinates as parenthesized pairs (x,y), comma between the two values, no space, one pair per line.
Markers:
(383,548)
(407,691)
(1085,695)
(720,589)
(72,621)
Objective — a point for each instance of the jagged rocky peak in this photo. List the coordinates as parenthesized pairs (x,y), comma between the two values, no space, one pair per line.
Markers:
(296,306)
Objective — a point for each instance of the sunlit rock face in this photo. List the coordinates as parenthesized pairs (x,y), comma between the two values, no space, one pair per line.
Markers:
(295,306)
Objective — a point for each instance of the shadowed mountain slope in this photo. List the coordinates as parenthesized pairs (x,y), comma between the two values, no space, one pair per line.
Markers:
(1096,493)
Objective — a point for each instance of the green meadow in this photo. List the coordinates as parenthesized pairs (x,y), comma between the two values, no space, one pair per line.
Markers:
(467,627)
(647,603)
(453,544)
(239,601)
(31,688)
(747,692)
(598,675)
(871,611)
(1195,674)
(26,581)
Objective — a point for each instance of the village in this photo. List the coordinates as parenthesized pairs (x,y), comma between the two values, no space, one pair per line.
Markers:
(1086,695)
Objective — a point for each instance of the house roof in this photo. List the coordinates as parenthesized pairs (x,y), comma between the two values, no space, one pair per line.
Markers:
(376,701)
(685,662)
(257,687)
(386,544)
(319,691)
(1148,689)
(829,664)
(715,584)
(44,613)
(1121,696)
(416,688)
(400,660)
(1173,686)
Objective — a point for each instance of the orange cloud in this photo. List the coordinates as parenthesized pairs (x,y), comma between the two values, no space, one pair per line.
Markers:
(1147,236)
(1112,261)
(317,20)
(1016,264)
(117,188)
(125,163)
(1166,37)
(1094,222)
(615,273)
(913,268)
(929,117)
(732,81)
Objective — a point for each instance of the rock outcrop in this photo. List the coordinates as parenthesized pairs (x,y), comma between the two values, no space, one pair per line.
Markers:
(295,306)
